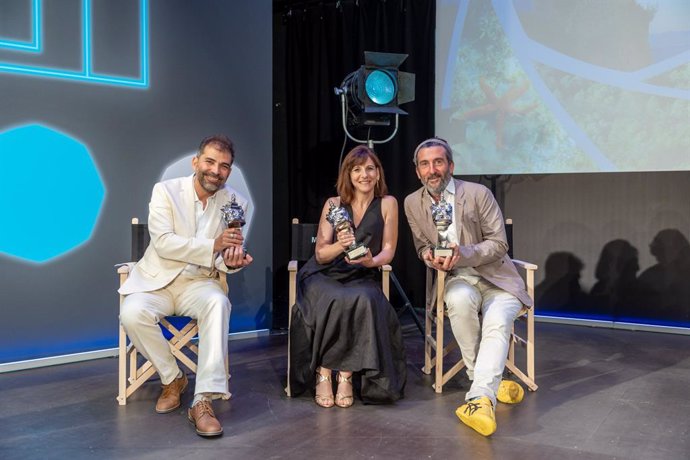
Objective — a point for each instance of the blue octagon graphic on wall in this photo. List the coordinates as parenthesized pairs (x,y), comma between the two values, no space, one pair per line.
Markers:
(50,193)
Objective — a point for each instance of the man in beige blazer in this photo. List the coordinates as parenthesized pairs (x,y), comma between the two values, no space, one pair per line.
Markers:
(482,280)
(179,274)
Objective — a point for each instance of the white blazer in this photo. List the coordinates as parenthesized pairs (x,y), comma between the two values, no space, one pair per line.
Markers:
(174,244)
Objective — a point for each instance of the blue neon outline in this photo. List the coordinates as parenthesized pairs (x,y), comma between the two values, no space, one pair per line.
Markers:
(86,75)
(86,36)
(33,46)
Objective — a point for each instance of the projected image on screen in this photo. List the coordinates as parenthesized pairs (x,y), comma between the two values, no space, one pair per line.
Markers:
(553,86)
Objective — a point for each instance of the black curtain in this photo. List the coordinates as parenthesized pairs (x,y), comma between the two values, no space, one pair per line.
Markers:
(316,44)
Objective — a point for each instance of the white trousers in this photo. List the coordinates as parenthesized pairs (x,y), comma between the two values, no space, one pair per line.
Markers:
(483,342)
(200,298)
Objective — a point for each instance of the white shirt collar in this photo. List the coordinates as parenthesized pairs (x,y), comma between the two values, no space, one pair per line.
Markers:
(450,187)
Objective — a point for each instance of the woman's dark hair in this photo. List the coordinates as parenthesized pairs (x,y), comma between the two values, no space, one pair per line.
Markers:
(355,157)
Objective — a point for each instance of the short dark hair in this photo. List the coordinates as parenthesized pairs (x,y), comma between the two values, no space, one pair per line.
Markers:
(220,142)
(356,157)
(434,142)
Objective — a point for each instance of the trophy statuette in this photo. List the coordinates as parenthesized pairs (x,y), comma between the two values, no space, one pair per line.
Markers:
(442,215)
(233,215)
(340,220)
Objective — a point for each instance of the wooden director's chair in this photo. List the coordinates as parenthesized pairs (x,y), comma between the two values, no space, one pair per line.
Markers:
(179,330)
(434,337)
(303,243)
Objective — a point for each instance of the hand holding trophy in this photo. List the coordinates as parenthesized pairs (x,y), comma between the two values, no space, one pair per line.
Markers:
(442,215)
(233,215)
(340,220)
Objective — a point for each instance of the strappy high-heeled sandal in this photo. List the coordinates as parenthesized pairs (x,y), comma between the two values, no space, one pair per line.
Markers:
(320,400)
(342,400)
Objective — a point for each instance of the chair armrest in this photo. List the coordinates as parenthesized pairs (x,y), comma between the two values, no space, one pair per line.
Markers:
(125,268)
(525,265)
(123,271)
(386,271)
(530,270)
(292,287)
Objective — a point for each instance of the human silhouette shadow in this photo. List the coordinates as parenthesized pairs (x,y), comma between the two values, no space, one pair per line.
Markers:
(617,291)
(666,285)
(560,290)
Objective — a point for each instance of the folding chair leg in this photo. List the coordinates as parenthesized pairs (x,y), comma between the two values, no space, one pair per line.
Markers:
(131,376)
(522,376)
(292,298)
(434,350)
(227,376)
(122,368)
(530,346)
(438,376)
(288,390)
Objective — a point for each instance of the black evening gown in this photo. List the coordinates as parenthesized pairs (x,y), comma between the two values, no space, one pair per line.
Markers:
(342,320)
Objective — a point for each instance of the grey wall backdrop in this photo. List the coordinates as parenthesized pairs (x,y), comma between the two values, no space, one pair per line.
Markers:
(210,72)
(610,246)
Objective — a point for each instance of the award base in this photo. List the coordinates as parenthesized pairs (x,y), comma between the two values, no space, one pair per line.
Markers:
(356,252)
(442,252)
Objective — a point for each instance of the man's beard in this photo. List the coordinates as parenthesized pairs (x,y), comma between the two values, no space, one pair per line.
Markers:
(208,186)
(441,185)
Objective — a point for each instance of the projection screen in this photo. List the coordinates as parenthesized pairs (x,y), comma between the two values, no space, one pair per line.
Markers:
(557,86)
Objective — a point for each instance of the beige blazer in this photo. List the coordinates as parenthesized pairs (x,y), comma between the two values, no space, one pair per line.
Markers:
(481,234)
(174,244)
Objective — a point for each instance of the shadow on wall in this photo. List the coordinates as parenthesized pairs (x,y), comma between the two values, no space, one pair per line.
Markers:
(659,295)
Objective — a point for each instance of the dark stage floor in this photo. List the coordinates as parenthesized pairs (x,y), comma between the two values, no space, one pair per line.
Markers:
(603,394)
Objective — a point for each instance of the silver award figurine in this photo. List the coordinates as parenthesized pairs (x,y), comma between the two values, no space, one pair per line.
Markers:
(340,220)
(233,215)
(442,214)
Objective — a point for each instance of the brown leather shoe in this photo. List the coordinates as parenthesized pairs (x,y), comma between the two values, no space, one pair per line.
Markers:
(169,400)
(204,420)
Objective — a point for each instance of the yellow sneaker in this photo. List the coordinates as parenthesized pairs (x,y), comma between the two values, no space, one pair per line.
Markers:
(510,392)
(478,414)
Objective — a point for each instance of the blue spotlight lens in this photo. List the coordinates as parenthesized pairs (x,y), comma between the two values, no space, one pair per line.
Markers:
(380,87)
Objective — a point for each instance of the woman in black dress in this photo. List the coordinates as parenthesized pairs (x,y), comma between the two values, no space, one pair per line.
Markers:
(342,320)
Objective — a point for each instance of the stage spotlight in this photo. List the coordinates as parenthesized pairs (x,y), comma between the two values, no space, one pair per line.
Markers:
(378,86)
(373,93)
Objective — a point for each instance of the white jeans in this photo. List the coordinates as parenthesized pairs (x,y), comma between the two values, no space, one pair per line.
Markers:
(483,344)
(200,298)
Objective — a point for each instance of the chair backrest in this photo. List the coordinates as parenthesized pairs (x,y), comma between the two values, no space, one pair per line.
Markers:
(140,239)
(303,240)
(509,236)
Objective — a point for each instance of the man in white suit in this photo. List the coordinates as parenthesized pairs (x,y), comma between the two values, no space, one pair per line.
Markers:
(179,274)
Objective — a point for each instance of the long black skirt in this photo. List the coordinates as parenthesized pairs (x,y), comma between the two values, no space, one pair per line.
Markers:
(347,325)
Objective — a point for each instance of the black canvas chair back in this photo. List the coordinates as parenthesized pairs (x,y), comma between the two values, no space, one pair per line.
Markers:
(140,240)
(509,236)
(303,240)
